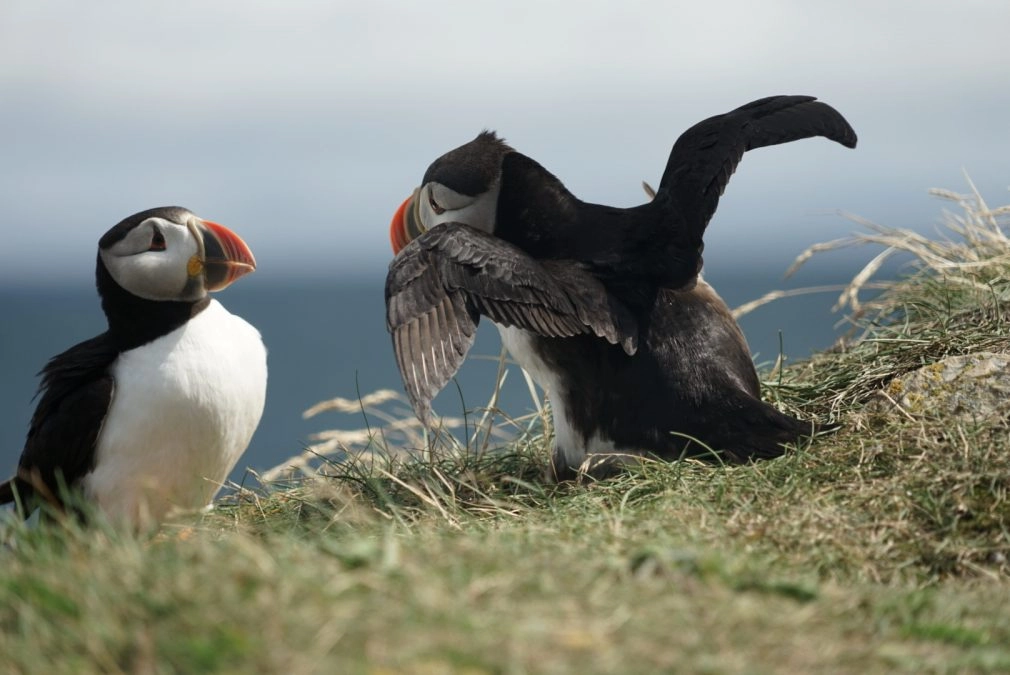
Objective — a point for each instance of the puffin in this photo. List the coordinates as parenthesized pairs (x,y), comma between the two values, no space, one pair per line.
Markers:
(602,306)
(150,416)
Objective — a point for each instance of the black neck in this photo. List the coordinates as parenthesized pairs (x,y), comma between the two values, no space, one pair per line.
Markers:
(135,321)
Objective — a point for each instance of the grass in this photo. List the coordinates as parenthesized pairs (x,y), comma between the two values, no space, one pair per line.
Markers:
(881,548)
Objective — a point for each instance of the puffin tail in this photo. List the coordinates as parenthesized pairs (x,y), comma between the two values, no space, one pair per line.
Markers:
(7,491)
(767,432)
(18,492)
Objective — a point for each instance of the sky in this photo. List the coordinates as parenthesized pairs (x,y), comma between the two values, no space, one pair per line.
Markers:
(302,124)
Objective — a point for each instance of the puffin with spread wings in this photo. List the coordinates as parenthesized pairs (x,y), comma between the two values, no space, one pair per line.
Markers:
(603,306)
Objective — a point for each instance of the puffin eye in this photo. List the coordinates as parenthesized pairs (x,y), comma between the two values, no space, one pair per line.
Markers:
(434,206)
(157,241)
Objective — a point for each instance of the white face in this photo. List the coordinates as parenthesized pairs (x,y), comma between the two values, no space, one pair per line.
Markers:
(153,260)
(438,204)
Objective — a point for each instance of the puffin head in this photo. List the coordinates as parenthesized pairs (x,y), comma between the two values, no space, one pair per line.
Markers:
(461,186)
(169,254)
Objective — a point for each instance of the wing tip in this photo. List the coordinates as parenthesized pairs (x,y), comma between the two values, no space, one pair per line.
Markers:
(850,139)
(843,133)
(422,409)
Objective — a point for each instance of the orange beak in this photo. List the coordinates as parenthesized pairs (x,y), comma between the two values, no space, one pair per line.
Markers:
(225,256)
(406,225)
(398,227)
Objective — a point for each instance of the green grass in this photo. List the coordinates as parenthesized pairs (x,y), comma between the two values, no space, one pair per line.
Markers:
(881,548)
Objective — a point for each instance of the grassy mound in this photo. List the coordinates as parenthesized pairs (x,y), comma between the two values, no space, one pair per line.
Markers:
(883,547)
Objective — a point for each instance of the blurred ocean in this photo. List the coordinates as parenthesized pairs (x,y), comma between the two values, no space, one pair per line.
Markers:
(328,338)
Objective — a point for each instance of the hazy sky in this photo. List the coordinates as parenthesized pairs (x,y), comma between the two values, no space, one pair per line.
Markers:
(302,124)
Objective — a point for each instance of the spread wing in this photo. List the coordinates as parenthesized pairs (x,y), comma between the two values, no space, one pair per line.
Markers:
(76,393)
(707,154)
(442,282)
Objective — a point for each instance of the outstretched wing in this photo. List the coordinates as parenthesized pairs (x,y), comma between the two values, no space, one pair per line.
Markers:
(706,155)
(442,282)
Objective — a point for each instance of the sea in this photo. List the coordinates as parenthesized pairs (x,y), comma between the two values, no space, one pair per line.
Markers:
(327,338)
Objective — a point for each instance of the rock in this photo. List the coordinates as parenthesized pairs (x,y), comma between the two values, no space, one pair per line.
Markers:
(968,387)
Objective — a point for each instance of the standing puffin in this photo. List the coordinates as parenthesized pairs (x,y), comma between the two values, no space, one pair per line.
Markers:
(601,305)
(152,414)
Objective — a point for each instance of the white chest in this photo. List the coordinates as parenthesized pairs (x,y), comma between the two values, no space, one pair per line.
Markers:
(568,440)
(184,409)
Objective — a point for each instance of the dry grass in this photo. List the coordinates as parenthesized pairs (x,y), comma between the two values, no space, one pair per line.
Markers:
(971,248)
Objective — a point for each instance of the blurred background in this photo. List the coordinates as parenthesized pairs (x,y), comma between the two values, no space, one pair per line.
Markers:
(302,125)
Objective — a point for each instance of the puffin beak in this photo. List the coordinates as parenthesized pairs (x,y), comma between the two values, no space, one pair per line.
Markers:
(406,224)
(225,257)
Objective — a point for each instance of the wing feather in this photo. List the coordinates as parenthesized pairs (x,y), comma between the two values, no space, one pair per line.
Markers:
(76,392)
(441,283)
(707,154)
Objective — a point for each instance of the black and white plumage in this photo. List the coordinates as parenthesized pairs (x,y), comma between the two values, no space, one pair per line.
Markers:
(603,306)
(151,415)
